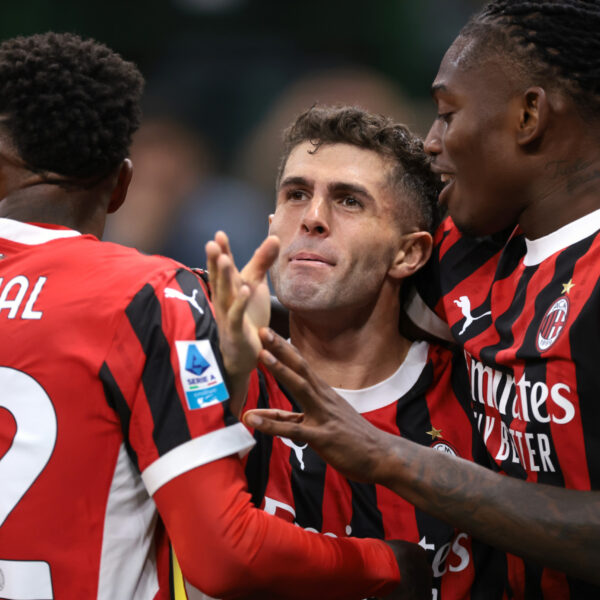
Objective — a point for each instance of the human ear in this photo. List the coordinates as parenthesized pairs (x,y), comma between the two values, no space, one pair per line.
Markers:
(533,115)
(119,192)
(414,252)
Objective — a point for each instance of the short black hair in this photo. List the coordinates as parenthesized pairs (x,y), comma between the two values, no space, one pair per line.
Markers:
(70,105)
(555,41)
(394,142)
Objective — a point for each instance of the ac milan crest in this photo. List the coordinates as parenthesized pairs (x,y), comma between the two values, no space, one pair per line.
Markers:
(552,324)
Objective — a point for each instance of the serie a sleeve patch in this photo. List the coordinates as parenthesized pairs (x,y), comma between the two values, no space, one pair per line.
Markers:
(200,375)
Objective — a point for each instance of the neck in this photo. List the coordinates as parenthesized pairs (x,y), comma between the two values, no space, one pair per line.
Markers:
(82,210)
(352,348)
(567,188)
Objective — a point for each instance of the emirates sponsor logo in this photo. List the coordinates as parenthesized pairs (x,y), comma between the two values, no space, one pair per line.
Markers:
(553,324)
(497,394)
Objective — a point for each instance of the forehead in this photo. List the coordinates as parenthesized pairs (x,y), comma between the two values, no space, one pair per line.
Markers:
(466,75)
(338,163)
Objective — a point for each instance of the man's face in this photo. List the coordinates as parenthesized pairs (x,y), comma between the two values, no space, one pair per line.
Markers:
(337,220)
(473,143)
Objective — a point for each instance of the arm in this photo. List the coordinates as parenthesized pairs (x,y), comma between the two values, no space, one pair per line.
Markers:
(229,549)
(552,526)
(242,304)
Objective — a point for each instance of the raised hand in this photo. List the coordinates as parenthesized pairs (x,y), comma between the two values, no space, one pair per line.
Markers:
(329,424)
(241,302)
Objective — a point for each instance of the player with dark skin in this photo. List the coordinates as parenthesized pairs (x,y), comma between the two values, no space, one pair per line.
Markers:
(75,185)
(516,140)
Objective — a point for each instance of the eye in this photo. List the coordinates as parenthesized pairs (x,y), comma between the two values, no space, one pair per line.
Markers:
(296,194)
(350,202)
(445,117)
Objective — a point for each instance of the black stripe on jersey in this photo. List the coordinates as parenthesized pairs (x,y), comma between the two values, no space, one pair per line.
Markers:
(462,390)
(367,520)
(582,590)
(191,286)
(505,322)
(308,483)
(413,421)
(412,413)
(158,377)
(583,338)
(533,582)
(116,400)
(259,458)
(206,327)
(491,573)
(466,256)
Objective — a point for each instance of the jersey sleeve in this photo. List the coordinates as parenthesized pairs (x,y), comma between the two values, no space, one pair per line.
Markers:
(164,376)
(255,555)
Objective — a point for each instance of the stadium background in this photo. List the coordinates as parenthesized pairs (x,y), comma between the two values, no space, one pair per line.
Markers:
(225,76)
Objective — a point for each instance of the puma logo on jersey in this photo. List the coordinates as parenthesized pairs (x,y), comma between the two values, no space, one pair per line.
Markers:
(173,293)
(298,450)
(465,307)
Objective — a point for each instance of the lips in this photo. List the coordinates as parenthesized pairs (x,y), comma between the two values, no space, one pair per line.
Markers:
(447,179)
(310,257)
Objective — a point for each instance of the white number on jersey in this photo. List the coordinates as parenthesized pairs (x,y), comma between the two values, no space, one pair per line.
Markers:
(32,446)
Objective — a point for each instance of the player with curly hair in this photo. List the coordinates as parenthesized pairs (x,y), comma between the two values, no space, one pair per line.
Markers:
(517,145)
(356,204)
(114,408)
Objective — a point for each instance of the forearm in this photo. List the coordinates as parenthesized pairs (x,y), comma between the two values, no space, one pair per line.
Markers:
(552,526)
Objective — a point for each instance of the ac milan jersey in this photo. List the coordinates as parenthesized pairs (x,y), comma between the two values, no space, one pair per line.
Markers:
(417,402)
(111,386)
(527,315)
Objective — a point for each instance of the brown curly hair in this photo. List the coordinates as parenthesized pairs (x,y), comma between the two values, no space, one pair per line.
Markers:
(417,185)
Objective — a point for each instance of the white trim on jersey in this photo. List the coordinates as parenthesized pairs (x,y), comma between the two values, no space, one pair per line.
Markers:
(542,248)
(388,391)
(197,452)
(425,318)
(26,580)
(31,235)
(128,559)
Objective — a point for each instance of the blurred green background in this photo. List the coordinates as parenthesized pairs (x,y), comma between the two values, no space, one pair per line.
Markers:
(224,77)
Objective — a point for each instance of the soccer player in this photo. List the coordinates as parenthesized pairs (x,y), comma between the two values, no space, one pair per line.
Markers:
(112,398)
(355,202)
(516,141)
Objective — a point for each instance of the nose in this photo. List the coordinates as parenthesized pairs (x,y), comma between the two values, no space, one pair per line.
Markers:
(433,141)
(315,219)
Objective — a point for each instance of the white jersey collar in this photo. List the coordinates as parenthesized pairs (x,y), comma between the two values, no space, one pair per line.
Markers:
(390,390)
(31,235)
(542,248)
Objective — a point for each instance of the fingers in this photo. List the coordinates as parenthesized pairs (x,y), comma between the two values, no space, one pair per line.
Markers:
(223,281)
(275,414)
(223,241)
(275,422)
(238,308)
(262,260)
(287,366)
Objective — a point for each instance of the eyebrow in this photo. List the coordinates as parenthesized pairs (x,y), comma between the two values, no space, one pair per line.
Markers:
(334,186)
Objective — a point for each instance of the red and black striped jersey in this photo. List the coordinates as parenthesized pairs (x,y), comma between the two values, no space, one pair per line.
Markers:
(417,402)
(110,386)
(527,314)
